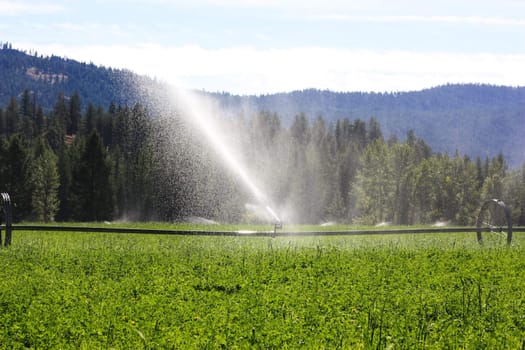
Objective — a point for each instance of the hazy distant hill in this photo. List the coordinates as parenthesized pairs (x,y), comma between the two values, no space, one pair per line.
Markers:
(477,120)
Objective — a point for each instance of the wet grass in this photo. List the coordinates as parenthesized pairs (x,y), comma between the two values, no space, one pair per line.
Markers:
(100,290)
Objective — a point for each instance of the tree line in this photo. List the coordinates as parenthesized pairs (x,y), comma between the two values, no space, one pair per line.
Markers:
(349,172)
(78,163)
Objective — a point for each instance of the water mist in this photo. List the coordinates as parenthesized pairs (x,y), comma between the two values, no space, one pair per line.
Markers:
(200,112)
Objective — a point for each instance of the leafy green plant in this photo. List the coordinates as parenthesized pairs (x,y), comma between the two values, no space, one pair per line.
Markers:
(99,290)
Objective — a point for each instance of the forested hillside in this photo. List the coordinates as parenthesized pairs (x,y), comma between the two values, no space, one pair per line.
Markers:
(77,143)
(47,76)
(477,120)
(122,163)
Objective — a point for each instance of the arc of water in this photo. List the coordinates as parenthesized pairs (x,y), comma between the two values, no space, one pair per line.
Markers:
(200,112)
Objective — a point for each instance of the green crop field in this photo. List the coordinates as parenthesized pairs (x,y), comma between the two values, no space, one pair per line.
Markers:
(61,290)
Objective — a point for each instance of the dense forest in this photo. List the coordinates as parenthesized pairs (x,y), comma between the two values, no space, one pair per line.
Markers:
(89,163)
(478,120)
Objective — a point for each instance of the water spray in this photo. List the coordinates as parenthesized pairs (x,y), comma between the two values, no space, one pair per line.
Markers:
(277,223)
(199,112)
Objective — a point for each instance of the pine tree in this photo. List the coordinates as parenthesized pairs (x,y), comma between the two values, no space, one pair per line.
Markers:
(73,123)
(3,122)
(39,121)
(465,193)
(67,157)
(12,117)
(493,184)
(402,163)
(374,131)
(60,114)
(91,122)
(45,182)
(16,177)
(300,186)
(27,106)
(92,190)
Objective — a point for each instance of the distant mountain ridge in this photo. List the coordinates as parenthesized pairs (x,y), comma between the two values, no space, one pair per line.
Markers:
(473,119)
(476,120)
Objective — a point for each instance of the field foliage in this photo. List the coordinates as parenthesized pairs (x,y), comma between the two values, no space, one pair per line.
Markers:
(99,290)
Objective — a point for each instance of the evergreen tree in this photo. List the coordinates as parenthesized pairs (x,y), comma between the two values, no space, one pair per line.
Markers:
(443,200)
(27,105)
(16,177)
(60,115)
(466,190)
(424,192)
(3,123)
(12,117)
(92,189)
(39,122)
(91,122)
(333,172)
(133,168)
(45,182)
(375,186)
(105,126)
(67,156)
(73,123)
(515,189)
(421,149)
(120,130)
(112,109)
(480,175)
(493,183)
(300,186)
(119,181)
(403,160)
(374,131)
(350,141)
(300,129)
(55,135)
(359,134)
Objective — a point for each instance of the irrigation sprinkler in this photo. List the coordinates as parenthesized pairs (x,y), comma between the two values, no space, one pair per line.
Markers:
(494,218)
(277,226)
(8,217)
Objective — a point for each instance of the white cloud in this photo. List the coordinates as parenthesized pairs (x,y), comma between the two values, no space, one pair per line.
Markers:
(471,20)
(278,4)
(246,70)
(489,7)
(17,8)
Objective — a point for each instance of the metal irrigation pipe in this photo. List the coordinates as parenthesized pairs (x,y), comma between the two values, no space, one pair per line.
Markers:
(273,233)
(494,216)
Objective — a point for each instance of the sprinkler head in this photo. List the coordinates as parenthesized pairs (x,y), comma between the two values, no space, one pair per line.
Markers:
(276,226)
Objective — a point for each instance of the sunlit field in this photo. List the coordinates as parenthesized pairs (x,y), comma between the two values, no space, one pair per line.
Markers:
(131,291)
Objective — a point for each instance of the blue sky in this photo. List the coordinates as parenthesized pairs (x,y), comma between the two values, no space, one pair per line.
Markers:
(267,46)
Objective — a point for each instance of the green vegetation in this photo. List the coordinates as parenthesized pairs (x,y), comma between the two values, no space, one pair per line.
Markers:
(124,164)
(86,291)
(63,122)
(478,120)
(86,143)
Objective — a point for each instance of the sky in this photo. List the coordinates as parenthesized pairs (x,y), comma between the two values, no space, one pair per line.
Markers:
(270,46)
